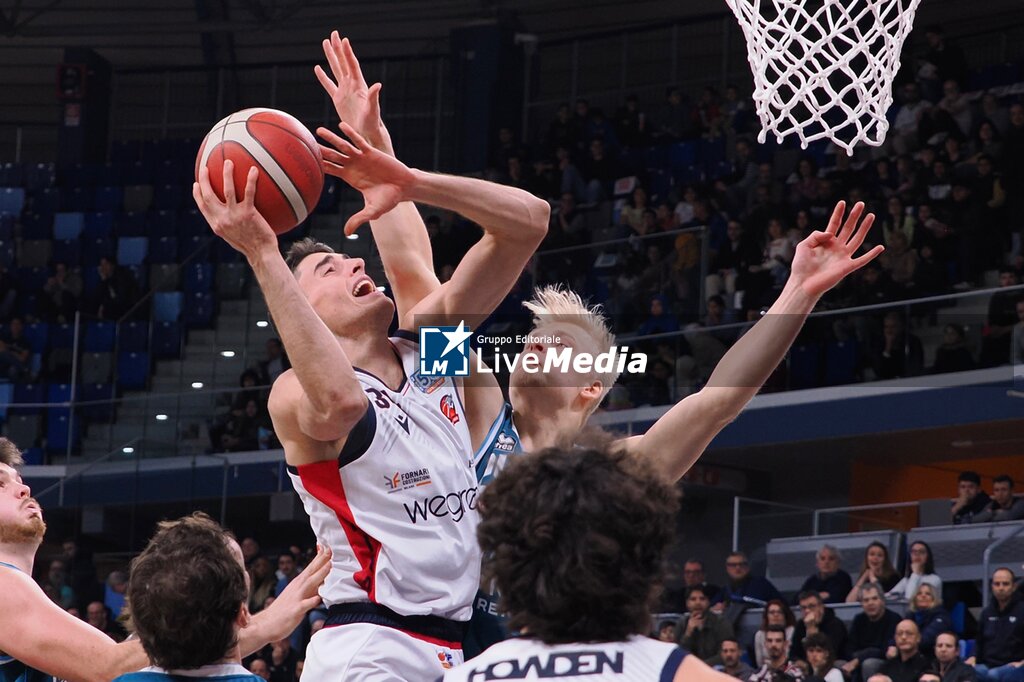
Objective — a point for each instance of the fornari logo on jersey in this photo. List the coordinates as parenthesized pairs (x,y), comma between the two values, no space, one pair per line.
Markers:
(446,660)
(505,443)
(560,664)
(448,409)
(454,505)
(408,479)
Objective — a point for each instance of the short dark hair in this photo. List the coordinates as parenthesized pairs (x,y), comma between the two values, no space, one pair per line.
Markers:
(185,592)
(575,540)
(818,640)
(808,594)
(776,628)
(10,454)
(1003,478)
(956,637)
(929,564)
(697,588)
(694,560)
(970,477)
(298,251)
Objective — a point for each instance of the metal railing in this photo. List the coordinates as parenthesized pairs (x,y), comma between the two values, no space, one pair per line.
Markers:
(819,513)
(986,562)
(777,514)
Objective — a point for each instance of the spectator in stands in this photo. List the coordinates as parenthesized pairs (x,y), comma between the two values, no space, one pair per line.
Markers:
(830,581)
(260,668)
(999,649)
(778,255)
(905,129)
(114,593)
(803,185)
(815,619)
(283,661)
(599,172)
(970,499)
(660,319)
(57,586)
(731,663)
(1004,507)
(694,576)
(15,352)
(897,220)
(275,363)
(948,663)
(905,662)
(957,105)
(262,583)
(250,550)
(631,123)
(744,588)
(898,353)
(667,631)
(776,612)
(562,131)
(821,658)
(1002,316)
(947,60)
(730,266)
(675,120)
(871,633)
(116,293)
(99,617)
(921,569)
(779,666)
(931,618)
(953,355)
(699,630)
(63,291)
(875,568)
(900,262)
(707,114)
(632,214)
(930,275)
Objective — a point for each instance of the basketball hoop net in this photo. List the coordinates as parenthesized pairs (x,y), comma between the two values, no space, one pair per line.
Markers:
(823,69)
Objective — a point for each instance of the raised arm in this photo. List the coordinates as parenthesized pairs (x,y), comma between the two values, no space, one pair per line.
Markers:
(677,440)
(320,396)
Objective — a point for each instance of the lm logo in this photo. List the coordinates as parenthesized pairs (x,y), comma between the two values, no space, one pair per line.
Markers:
(444,351)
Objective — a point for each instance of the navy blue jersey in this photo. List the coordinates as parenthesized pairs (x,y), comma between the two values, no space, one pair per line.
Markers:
(12,670)
(487,626)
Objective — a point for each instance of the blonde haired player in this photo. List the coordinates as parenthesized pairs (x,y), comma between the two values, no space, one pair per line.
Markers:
(547,410)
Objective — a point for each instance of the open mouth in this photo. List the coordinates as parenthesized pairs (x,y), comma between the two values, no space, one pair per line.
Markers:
(363,287)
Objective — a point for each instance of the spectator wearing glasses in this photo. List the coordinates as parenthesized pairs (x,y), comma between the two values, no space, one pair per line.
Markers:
(876,568)
(971,499)
(775,613)
(1000,642)
(920,570)
(1003,507)
(693,576)
(872,633)
(815,619)
(744,588)
(948,664)
(907,662)
(830,581)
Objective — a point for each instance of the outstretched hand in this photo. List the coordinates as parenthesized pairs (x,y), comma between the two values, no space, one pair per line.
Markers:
(236,222)
(383,180)
(356,104)
(300,596)
(823,259)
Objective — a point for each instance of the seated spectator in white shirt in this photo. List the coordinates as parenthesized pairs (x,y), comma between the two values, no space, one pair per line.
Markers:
(822,658)
(776,612)
(920,570)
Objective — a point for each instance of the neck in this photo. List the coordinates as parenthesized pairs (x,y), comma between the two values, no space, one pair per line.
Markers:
(543,424)
(372,352)
(20,555)
(777,662)
(1002,602)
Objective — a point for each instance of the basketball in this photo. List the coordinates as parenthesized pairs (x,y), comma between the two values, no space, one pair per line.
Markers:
(286,154)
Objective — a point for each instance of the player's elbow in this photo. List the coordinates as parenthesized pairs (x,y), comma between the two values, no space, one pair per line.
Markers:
(540,217)
(334,422)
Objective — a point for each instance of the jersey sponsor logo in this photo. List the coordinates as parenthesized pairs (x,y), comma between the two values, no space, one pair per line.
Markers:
(448,409)
(549,666)
(454,505)
(408,479)
(426,384)
(403,421)
(506,443)
(446,660)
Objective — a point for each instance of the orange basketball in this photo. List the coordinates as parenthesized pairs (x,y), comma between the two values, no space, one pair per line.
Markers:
(286,154)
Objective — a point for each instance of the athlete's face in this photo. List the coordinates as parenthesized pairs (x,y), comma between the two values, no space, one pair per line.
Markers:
(21,517)
(341,292)
(552,340)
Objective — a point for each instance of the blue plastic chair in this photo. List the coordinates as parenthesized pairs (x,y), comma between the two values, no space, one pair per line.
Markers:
(77,199)
(62,336)
(37,335)
(12,174)
(46,200)
(6,398)
(28,393)
(133,336)
(131,224)
(96,248)
(132,370)
(804,363)
(98,224)
(163,224)
(841,362)
(7,221)
(198,278)
(108,199)
(167,306)
(57,431)
(12,199)
(40,175)
(58,393)
(165,250)
(68,225)
(99,337)
(94,393)
(132,250)
(67,251)
(199,312)
(168,197)
(166,340)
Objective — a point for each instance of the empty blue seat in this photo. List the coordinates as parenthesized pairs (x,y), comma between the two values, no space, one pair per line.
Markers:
(99,401)
(37,335)
(711,151)
(172,172)
(39,175)
(12,174)
(7,221)
(131,224)
(192,223)
(58,393)
(691,175)
(76,199)
(133,336)
(90,280)
(140,273)
(132,370)
(67,251)
(190,245)
(166,339)
(124,152)
(167,306)
(36,226)
(108,199)
(841,362)
(804,365)
(168,197)
(33,456)
(656,157)
(98,224)
(46,200)
(682,155)
(62,336)
(28,393)
(12,200)
(222,252)
(6,398)
(68,225)
(96,248)
(99,337)
(132,250)
(198,278)
(7,252)
(198,314)
(163,224)
(165,250)
(32,279)
(58,432)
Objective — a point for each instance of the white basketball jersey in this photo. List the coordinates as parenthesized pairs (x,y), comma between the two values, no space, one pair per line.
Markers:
(638,659)
(398,506)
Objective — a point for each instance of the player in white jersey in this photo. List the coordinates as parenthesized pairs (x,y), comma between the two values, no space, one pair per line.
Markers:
(574,539)
(40,641)
(551,409)
(382,462)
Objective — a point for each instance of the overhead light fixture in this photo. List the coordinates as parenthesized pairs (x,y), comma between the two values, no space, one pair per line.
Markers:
(127,451)
(353,236)
(262,323)
(227,353)
(197,384)
(161,417)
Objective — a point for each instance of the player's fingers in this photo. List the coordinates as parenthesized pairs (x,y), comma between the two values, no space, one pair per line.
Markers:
(205,190)
(332,59)
(339,56)
(356,221)
(250,186)
(837,218)
(229,182)
(858,237)
(817,238)
(310,603)
(197,195)
(333,155)
(871,255)
(341,145)
(851,222)
(325,80)
(333,169)
(351,63)
(374,96)
(360,143)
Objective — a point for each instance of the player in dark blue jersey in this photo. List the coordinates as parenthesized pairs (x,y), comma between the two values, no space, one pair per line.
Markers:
(39,641)
(188,593)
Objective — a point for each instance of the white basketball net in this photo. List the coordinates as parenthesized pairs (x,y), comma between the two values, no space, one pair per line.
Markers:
(824,68)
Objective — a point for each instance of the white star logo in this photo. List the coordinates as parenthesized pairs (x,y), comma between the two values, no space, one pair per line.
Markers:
(456,338)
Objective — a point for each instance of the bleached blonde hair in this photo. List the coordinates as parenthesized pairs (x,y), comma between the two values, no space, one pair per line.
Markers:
(560,304)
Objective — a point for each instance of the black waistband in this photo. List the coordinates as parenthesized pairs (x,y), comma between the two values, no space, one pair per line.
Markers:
(365,612)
